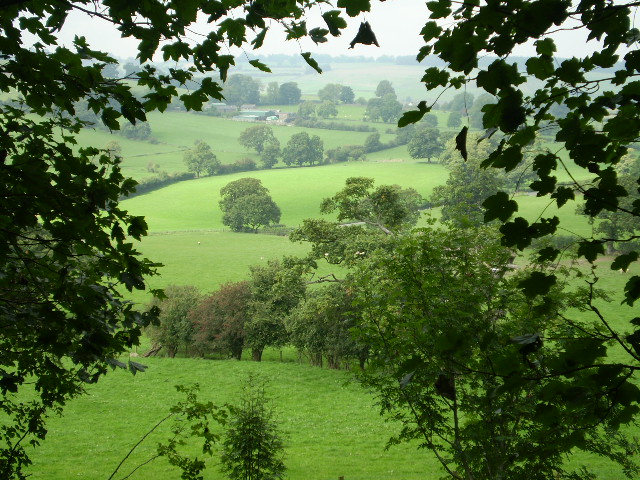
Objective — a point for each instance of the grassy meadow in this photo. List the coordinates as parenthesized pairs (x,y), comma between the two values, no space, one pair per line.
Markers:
(332,425)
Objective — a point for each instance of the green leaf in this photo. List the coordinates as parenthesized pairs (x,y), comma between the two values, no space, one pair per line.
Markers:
(259,40)
(540,67)
(632,290)
(545,46)
(318,35)
(537,283)
(235,30)
(548,254)
(430,31)
(570,72)
(137,227)
(223,63)
(311,62)
(499,76)
(413,116)
(334,22)
(499,206)
(590,250)
(296,30)
(260,66)
(563,195)
(461,142)
(435,77)
(110,118)
(355,7)
(135,367)
(439,8)
(517,233)
(622,262)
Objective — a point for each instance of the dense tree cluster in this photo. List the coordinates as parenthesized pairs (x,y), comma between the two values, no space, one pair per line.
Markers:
(240,90)
(303,149)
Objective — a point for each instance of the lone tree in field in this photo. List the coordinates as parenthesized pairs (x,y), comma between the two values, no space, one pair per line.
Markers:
(257,137)
(425,143)
(246,204)
(200,159)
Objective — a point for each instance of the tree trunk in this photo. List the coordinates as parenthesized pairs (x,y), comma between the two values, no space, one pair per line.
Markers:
(153,351)
(610,248)
(237,354)
(256,354)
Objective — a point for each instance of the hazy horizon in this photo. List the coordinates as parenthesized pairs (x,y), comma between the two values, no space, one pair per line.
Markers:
(396,24)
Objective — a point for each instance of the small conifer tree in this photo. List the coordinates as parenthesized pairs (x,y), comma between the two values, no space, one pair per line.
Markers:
(252,447)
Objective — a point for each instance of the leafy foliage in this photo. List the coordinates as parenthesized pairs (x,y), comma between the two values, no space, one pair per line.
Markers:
(596,126)
(374,217)
(384,88)
(175,328)
(388,207)
(320,327)
(289,94)
(448,361)
(301,149)
(240,90)
(463,195)
(327,109)
(65,244)
(385,109)
(270,154)
(219,320)
(276,288)
(587,104)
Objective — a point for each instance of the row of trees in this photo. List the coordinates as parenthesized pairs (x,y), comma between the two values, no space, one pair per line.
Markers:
(242,89)
(274,307)
(300,149)
(237,316)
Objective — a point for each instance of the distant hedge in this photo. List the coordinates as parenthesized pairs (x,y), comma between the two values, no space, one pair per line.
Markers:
(163,179)
(160,180)
(311,123)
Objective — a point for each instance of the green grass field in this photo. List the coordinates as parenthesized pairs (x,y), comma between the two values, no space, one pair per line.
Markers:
(332,426)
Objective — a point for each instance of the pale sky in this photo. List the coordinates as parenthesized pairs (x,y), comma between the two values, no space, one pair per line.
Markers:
(396,23)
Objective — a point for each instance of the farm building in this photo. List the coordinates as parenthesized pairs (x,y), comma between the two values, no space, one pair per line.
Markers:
(256,115)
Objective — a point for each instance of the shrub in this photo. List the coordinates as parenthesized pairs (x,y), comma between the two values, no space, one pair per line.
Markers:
(252,448)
